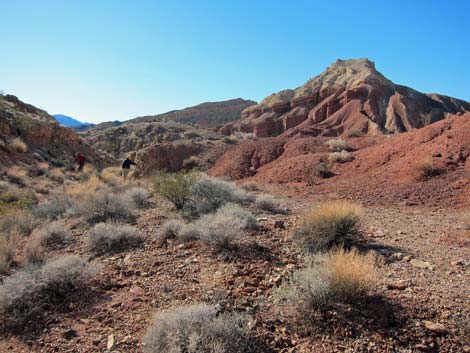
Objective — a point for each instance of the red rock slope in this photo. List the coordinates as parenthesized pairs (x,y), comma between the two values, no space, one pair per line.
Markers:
(350,96)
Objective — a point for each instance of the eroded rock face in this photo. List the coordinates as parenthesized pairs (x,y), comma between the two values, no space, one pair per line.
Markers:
(351,95)
(165,156)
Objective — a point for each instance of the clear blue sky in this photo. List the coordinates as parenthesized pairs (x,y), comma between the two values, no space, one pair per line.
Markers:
(104,60)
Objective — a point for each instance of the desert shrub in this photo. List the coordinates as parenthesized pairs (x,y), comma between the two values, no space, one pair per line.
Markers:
(198,329)
(34,252)
(112,237)
(17,221)
(104,206)
(250,186)
(337,145)
(427,169)
(13,196)
(269,203)
(328,224)
(175,187)
(235,211)
(320,170)
(18,145)
(139,196)
(340,157)
(57,175)
(219,232)
(53,209)
(8,243)
(51,235)
(189,232)
(17,176)
(190,163)
(112,175)
(338,276)
(28,294)
(87,187)
(207,195)
(171,229)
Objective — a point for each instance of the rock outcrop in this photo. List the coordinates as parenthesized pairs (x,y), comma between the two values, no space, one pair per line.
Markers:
(350,96)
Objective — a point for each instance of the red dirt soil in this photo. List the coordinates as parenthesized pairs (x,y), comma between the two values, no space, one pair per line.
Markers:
(384,169)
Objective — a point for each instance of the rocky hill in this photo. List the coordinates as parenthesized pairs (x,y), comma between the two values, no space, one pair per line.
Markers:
(205,115)
(350,97)
(28,133)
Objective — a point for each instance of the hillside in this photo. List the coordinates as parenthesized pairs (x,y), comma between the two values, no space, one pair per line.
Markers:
(43,137)
(349,97)
(206,115)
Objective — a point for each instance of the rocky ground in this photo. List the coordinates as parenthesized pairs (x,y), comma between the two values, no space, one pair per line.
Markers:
(423,303)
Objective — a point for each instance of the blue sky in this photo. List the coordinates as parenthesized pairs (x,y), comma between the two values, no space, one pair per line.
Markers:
(114,60)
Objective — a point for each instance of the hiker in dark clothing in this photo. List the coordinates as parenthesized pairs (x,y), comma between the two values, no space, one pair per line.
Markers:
(80,161)
(126,167)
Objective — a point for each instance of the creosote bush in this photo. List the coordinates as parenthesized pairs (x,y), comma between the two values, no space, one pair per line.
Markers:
(27,294)
(113,237)
(328,224)
(198,329)
(175,187)
(337,145)
(338,276)
(269,204)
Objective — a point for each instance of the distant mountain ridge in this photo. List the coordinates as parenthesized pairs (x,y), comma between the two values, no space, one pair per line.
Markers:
(206,115)
(68,121)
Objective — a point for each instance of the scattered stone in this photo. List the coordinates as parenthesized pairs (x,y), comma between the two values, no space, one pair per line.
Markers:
(279,224)
(458,262)
(111,344)
(69,334)
(421,264)
(399,285)
(435,327)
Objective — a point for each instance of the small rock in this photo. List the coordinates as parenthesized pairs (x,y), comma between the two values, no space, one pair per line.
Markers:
(435,327)
(458,262)
(407,258)
(111,344)
(279,224)
(69,334)
(399,285)
(422,347)
(421,264)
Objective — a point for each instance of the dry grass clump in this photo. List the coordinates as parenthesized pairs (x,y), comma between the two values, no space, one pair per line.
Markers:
(340,157)
(17,176)
(171,229)
(337,145)
(427,169)
(30,293)
(269,204)
(18,145)
(90,186)
(8,243)
(57,175)
(11,196)
(51,235)
(139,196)
(104,206)
(112,237)
(338,276)
(112,175)
(320,170)
(251,186)
(198,329)
(175,187)
(17,221)
(328,224)
(53,209)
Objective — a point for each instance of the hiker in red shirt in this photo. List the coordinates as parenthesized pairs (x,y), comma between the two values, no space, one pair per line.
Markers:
(80,161)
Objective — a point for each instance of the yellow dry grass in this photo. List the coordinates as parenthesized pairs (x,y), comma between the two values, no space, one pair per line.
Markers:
(88,169)
(90,186)
(18,145)
(350,273)
(333,210)
(111,174)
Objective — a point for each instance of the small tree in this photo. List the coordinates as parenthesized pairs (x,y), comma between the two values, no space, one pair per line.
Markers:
(175,187)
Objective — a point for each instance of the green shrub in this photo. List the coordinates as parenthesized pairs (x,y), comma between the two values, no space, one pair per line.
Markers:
(198,329)
(175,187)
